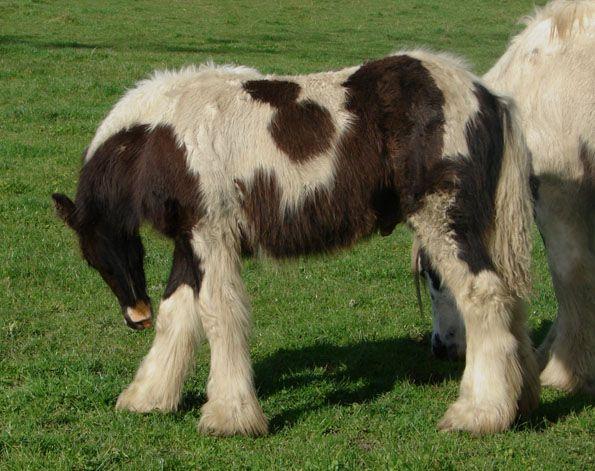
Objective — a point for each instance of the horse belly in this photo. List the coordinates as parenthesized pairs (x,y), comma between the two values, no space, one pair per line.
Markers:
(324,220)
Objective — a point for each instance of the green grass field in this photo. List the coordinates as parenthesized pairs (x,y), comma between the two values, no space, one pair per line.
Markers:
(341,353)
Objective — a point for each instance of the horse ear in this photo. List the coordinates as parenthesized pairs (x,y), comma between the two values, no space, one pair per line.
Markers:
(64,208)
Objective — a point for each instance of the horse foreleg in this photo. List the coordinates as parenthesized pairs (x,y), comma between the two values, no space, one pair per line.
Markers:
(160,377)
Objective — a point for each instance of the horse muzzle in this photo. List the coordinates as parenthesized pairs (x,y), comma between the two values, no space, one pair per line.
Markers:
(139,316)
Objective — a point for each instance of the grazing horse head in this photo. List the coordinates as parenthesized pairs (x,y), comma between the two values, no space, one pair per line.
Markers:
(124,181)
(448,327)
(115,254)
(105,220)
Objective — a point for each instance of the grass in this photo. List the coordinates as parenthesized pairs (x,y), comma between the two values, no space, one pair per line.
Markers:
(340,351)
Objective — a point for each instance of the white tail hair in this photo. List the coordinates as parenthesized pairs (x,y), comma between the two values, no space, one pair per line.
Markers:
(511,241)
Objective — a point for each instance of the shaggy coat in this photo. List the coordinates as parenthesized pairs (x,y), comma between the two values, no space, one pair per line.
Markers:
(550,70)
(225,160)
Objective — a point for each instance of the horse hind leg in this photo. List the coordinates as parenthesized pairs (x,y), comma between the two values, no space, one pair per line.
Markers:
(567,221)
(232,407)
(501,375)
(158,382)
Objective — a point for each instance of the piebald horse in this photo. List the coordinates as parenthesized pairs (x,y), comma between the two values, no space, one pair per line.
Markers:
(225,160)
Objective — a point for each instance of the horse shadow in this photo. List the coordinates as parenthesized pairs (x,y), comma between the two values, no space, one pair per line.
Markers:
(356,373)
(548,413)
(361,372)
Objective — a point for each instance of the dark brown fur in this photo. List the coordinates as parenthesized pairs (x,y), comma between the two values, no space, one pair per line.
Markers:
(399,104)
(185,270)
(302,130)
(166,193)
(478,175)
(276,93)
(139,174)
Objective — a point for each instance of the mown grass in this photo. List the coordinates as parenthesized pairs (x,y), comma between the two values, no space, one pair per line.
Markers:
(341,353)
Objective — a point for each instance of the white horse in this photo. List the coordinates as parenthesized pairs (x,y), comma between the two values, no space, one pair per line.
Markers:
(549,69)
(222,159)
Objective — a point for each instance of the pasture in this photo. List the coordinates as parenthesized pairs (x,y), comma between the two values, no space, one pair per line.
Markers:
(340,350)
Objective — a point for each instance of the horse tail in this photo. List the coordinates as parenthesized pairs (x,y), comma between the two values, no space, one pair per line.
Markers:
(511,240)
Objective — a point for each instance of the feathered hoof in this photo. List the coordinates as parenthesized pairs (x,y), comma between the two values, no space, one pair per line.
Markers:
(556,375)
(226,419)
(138,399)
(463,415)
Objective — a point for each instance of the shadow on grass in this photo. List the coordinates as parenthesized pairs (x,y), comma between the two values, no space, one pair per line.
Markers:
(551,412)
(31,42)
(357,373)
(361,372)
(214,46)
(538,335)
(353,374)
(377,364)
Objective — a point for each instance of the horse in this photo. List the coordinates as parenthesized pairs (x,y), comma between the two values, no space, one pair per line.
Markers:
(550,71)
(227,161)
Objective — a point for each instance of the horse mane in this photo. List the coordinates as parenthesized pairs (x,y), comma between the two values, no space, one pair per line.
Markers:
(567,17)
(558,24)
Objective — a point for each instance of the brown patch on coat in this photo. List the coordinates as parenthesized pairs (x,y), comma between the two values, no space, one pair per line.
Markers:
(139,173)
(399,104)
(276,93)
(478,174)
(167,194)
(322,223)
(185,270)
(302,129)
(387,160)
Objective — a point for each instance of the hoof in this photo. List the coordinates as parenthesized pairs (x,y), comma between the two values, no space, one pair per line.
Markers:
(137,399)
(225,419)
(556,375)
(465,416)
